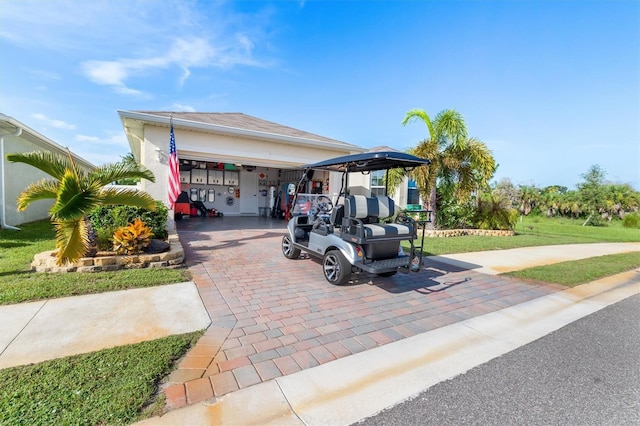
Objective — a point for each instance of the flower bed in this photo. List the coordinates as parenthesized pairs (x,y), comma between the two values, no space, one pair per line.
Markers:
(445,233)
(106,261)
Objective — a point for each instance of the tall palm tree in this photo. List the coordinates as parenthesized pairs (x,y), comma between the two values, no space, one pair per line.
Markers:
(76,193)
(457,160)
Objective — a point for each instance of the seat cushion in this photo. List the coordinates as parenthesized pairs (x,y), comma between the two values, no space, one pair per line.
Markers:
(386,230)
(360,207)
(386,207)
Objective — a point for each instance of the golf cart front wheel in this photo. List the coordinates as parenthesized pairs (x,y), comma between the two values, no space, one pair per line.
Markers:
(336,268)
(288,249)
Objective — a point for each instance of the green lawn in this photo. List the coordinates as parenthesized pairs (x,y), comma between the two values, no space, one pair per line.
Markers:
(535,232)
(111,386)
(581,271)
(18,284)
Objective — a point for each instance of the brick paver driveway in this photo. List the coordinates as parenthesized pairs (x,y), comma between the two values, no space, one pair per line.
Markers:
(272,316)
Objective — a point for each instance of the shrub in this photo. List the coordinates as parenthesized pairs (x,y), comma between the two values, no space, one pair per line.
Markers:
(451,213)
(494,213)
(109,218)
(104,238)
(631,220)
(133,238)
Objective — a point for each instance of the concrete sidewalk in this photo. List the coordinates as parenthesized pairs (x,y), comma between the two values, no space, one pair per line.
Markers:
(37,331)
(500,261)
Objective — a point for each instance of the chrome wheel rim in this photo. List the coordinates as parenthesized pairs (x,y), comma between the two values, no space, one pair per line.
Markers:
(287,247)
(331,268)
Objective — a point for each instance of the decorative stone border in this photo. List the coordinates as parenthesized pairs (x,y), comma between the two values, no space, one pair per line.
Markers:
(446,233)
(46,262)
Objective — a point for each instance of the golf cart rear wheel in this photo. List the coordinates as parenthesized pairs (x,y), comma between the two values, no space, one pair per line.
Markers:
(336,268)
(387,274)
(288,249)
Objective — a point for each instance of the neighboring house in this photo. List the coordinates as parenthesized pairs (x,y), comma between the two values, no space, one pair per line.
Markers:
(16,137)
(232,162)
(374,183)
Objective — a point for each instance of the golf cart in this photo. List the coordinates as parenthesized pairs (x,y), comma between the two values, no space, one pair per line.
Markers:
(359,233)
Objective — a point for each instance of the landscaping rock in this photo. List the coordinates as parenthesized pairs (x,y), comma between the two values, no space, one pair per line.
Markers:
(157,246)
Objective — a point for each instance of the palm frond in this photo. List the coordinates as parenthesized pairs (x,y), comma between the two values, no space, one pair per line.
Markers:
(481,159)
(394,179)
(466,181)
(419,114)
(43,190)
(129,197)
(450,129)
(52,164)
(72,240)
(73,201)
(426,176)
(113,172)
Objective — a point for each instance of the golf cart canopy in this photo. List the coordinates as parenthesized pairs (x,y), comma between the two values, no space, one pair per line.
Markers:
(369,161)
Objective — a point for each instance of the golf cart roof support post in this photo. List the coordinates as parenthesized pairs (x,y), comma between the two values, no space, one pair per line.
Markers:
(386,182)
(292,200)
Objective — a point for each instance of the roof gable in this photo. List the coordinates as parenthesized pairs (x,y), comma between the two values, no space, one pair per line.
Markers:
(238,120)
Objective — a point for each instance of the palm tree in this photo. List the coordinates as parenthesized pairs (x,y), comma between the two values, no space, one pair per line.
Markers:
(76,193)
(529,199)
(457,160)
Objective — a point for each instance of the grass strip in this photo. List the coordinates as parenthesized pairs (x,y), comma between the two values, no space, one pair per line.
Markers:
(582,271)
(534,231)
(20,287)
(18,284)
(111,386)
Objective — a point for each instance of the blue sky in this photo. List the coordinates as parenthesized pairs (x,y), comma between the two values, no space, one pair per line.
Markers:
(552,87)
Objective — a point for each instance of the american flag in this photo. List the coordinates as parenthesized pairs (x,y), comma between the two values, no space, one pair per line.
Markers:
(174,170)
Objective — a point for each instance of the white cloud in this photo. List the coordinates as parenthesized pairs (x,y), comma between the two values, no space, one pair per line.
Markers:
(44,74)
(183,108)
(58,124)
(100,150)
(149,36)
(111,141)
(185,75)
(85,138)
(184,53)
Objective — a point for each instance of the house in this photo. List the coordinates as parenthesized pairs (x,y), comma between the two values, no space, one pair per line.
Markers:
(233,162)
(16,137)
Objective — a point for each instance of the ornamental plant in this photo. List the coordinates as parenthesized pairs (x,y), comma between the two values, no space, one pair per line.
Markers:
(76,192)
(132,239)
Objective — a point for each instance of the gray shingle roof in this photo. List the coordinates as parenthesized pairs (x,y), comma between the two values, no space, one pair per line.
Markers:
(239,120)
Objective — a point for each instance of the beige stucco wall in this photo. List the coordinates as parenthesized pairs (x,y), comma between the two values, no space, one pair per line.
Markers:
(18,177)
(205,146)
(360,184)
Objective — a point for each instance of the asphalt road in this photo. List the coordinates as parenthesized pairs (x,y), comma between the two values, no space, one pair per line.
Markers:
(586,373)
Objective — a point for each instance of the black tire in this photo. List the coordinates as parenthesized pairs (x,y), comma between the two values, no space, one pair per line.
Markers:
(387,274)
(288,249)
(336,268)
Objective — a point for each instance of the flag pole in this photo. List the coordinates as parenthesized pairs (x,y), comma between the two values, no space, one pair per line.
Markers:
(174,187)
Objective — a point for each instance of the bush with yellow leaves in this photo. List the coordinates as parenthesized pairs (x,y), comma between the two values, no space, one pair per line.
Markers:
(133,238)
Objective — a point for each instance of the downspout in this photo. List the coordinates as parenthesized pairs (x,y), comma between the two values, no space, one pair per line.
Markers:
(17,133)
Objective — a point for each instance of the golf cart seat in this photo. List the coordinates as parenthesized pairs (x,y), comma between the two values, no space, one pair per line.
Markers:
(361,223)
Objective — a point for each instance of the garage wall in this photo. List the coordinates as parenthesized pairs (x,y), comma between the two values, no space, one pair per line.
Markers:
(269,156)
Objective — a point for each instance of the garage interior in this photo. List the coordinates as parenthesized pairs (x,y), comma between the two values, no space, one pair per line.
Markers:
(238,190)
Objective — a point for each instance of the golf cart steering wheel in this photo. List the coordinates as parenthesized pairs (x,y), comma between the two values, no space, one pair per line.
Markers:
(324,204)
